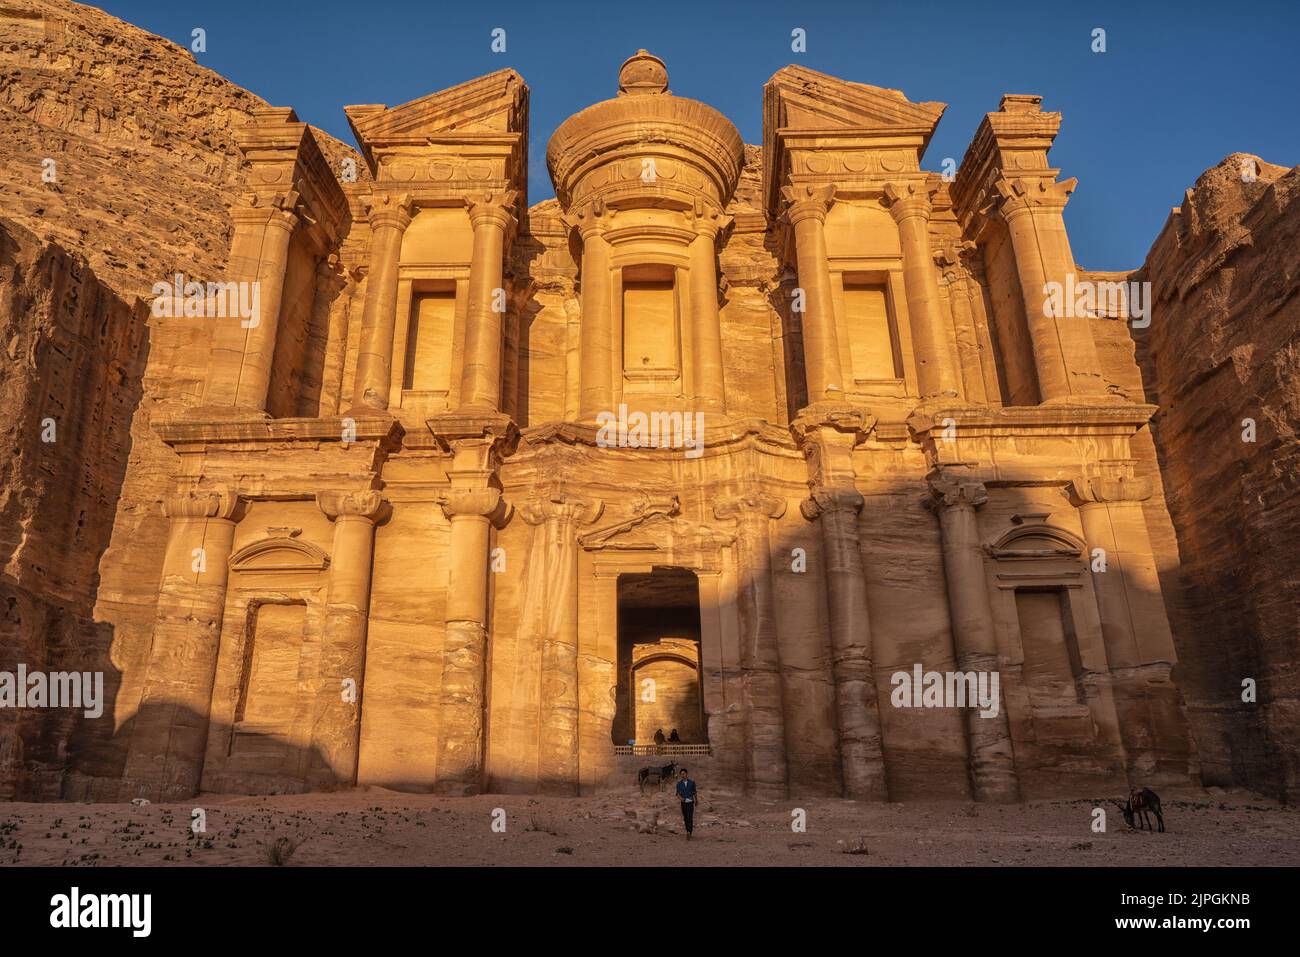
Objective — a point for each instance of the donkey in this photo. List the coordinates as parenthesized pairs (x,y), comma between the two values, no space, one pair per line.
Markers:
(659,775)
(1140,801)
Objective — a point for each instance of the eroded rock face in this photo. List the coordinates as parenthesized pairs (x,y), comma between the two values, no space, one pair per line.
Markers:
(1223,348)
(70,384)
(120,167)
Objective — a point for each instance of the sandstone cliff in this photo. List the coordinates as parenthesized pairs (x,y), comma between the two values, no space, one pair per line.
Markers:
(119,171)
(1224,347)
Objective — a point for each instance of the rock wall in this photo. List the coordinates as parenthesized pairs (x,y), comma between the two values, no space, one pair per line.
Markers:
(69,386)
(119,171)
(1223,347)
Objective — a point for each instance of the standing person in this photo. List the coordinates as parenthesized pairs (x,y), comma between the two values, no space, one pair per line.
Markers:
(686,794)
(659,741)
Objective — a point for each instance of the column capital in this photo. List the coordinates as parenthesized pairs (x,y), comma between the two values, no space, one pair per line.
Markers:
(482,502)
(276,209)
(389,209)
(217,503)
(909,198)
(493,207)
(367,504)
(589,219)
(750,505)
(1015,195)
(828,500)
(952,490)
(708,221)
(807,202)
(1108,490)
(955,260)
(559,507)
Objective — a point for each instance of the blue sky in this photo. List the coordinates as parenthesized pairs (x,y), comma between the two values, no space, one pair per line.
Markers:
(1180,86)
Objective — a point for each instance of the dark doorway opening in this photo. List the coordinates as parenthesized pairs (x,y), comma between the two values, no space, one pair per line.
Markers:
(660,673)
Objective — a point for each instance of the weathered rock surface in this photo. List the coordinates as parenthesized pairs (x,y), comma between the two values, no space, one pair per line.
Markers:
(120,167)
(1224,347)
(70,383)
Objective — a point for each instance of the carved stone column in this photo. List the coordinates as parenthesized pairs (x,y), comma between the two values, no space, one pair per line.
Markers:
(471,512)
(1134,625)
(473,505)
(597,339)
(806,213)
(170,732)
(965,331)
(1065,356)
(936,366)
(389,217)
(861,750)
(551,614)
(992,762)
(239,373)
(492,219)
(336,717)
(760,659)
(707,326)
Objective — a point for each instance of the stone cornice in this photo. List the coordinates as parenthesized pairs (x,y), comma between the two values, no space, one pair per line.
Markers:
(199,431)
(722,436)
(1107,417)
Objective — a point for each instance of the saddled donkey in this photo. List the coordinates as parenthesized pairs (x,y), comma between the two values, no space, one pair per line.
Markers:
(1140,801)
(658,775)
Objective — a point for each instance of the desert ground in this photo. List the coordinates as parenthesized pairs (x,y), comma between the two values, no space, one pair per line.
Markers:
(374,826)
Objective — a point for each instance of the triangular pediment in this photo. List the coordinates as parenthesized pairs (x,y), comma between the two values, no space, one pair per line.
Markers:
(798,98)
(490,105)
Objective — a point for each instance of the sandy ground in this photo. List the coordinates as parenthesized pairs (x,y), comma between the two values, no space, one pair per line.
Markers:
(379,827)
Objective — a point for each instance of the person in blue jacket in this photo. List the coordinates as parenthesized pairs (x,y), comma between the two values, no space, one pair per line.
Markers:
(686,794)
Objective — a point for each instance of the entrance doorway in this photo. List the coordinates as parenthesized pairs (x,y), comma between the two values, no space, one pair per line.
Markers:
(660,673)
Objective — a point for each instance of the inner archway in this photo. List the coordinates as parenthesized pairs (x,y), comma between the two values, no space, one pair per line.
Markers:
(660,679)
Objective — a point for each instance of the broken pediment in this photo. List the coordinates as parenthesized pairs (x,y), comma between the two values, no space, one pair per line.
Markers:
(484,109)
(839,126)
(797,98)
(657,526)
(1032,537)
(279,553)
